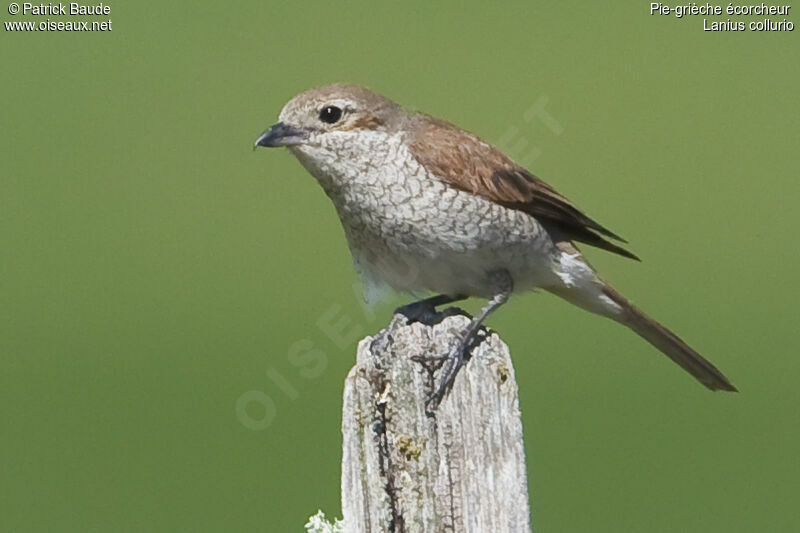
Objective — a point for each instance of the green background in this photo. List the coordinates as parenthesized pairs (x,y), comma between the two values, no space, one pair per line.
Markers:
(154,268)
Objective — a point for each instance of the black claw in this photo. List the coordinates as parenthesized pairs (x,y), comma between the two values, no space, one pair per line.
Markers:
(451,363)
(455,359)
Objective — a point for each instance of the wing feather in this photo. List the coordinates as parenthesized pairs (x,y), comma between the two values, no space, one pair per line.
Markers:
(465,161)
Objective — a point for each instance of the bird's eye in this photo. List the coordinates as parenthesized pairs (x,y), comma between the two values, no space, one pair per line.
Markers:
(330,114)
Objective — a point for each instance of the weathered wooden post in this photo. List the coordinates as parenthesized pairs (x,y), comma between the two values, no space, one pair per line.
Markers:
(460,470)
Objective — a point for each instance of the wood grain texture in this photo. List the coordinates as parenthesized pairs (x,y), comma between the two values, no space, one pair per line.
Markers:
(461,470)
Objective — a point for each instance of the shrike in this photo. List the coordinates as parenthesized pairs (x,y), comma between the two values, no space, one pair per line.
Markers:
(429,207)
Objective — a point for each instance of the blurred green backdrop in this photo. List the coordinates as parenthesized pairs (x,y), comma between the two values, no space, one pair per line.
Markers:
(155,271)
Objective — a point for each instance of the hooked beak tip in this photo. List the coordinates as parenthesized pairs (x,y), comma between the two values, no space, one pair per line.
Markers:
(280,135)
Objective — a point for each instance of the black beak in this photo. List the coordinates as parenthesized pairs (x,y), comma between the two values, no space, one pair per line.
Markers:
(280,135)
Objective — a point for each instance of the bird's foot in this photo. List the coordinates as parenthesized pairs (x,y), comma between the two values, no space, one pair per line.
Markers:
(422,311)
(455,358)
(458,354)
(381,342)
(426,313)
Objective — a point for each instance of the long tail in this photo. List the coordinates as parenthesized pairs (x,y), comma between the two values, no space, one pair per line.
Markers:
(669,343)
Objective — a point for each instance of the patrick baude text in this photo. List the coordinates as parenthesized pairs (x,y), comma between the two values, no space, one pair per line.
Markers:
(73,8)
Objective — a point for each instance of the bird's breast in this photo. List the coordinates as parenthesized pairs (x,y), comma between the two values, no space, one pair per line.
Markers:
(407,228)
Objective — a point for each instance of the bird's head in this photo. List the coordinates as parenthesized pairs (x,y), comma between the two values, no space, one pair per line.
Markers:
(330,118)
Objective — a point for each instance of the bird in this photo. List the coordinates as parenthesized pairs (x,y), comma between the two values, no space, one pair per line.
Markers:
(429,208)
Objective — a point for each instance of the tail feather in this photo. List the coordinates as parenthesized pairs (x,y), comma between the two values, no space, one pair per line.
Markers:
(669,343)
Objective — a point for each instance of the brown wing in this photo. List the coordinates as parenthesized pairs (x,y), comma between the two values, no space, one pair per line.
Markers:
(466,162)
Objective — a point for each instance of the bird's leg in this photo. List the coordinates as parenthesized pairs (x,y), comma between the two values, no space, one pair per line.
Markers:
(459,348)
(423,310)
